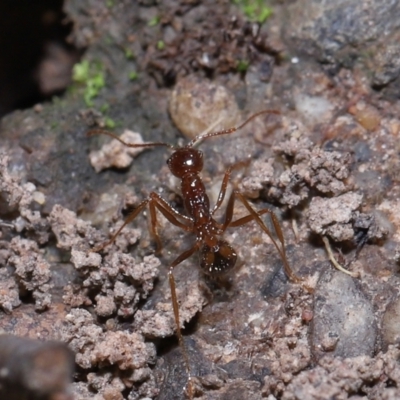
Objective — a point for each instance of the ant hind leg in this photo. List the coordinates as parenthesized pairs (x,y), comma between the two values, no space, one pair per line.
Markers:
(175,305)
(255,216)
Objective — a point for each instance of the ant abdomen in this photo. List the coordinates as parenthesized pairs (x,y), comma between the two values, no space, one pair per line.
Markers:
(219,259)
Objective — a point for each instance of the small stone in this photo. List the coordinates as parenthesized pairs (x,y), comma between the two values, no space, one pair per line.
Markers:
(343,322)
(197,106)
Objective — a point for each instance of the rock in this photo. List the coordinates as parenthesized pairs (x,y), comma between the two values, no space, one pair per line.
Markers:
(343,321)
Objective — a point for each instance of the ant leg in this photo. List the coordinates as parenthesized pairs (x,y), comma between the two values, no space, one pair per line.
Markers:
(225,182)
(154,201)
(254,215)
(170,213)
(130,218)
(153,226)
(248,218)
(157,202)
(175,305)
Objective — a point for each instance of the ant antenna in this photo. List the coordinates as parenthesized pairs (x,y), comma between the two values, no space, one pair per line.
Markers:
(93,132)
(229,130)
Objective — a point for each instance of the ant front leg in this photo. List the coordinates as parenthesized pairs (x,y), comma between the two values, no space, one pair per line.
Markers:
(225,181)
(155,202)
(130,218)
(255,216)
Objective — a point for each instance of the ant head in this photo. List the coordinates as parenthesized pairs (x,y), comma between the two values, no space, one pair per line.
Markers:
(218,260)
(185,160)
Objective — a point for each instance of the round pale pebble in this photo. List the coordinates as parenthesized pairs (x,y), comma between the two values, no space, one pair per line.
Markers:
(200,106)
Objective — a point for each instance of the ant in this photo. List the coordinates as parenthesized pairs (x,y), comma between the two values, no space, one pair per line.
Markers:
(217,256)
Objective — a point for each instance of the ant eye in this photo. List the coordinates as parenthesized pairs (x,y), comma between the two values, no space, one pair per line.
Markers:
(218,260)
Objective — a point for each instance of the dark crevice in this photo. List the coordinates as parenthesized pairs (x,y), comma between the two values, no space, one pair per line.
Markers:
(35,58)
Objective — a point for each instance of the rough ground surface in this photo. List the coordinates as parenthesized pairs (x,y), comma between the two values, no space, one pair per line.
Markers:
(327,164)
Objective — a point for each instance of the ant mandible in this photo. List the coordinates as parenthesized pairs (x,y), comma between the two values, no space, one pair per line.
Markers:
(217,255)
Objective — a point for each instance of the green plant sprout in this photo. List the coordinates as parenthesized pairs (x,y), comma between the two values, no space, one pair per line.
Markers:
(133,75)
(254,10)
(110,123)
(154,21)
(104,108)
(91,76)
(129,54)
(160,45)
(242,65)
(54,125)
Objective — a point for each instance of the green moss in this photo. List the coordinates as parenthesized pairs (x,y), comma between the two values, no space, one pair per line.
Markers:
(160,45)
(108,40)
(91,76)
(255,10)
(154,21)
(80,71)
(110,3)
(242,65)
(110,123)
(133,75)
(104,108)
(53,125)
(129,54)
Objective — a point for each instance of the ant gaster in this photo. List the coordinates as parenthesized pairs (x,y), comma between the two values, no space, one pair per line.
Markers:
(217,255)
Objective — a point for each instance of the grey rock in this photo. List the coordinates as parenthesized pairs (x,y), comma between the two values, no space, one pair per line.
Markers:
(343,323)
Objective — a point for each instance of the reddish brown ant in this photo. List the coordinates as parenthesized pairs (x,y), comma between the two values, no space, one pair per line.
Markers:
(217,256)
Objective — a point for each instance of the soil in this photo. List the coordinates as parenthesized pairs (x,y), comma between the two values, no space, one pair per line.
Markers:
(325,161)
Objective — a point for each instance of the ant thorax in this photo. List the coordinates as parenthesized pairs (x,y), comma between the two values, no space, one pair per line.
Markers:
(195,198)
